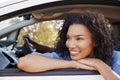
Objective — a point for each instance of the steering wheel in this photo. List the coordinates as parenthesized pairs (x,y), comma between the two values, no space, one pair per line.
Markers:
(26,49)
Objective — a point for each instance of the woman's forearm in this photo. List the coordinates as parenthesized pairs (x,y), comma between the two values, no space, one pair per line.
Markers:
(106,71)
(41,47)
(39,63)
(101,67)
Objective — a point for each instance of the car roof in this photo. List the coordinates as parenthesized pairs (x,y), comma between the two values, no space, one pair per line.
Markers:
(16,7)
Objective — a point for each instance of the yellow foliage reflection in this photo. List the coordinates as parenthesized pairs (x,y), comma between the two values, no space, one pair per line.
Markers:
(44,32)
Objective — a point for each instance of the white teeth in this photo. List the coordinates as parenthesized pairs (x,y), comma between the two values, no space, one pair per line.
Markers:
(73,52)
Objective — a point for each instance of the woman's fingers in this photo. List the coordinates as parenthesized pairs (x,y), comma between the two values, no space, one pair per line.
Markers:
(89,63)
(84,66)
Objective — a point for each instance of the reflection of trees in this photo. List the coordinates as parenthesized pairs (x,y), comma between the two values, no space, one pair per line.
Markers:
(44,32)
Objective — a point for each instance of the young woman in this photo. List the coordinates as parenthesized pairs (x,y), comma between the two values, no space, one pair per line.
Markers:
(85,42)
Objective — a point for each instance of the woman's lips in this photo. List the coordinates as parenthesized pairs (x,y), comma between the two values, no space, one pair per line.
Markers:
(73,53)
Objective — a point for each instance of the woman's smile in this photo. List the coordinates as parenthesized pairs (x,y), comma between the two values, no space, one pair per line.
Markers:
(74,53)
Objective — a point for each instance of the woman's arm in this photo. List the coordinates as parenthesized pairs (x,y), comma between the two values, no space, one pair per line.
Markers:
(41,47)
(40,63)
(101,67)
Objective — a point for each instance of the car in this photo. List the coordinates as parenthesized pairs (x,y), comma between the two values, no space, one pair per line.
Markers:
(44,18)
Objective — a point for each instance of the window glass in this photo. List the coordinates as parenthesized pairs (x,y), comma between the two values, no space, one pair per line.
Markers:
(9,22)
(44,32)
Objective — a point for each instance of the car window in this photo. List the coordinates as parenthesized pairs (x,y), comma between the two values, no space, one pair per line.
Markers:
(9,22)
(6,24)
(44,32)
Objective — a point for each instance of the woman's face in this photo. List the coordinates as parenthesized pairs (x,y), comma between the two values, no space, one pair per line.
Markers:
(79,42)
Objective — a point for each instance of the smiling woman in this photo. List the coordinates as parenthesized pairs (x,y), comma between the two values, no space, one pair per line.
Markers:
(83,43)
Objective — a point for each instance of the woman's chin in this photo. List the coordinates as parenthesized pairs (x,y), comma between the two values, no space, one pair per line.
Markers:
(75,58)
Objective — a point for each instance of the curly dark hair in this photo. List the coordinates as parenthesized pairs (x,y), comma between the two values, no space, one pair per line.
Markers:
(101,31)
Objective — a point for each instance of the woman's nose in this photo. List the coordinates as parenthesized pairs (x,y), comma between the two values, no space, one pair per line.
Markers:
(72,44)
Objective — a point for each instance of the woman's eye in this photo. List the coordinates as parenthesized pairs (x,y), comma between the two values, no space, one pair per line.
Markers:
(79,39)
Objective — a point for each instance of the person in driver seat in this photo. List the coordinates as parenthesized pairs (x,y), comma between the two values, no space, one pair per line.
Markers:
(84,42)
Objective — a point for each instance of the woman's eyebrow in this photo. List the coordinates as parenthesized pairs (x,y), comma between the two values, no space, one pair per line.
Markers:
(79,35)
(75,35)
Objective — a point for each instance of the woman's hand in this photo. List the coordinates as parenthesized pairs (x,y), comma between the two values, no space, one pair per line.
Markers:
(100,66)
(84,64)
(91,63)
(27,37)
